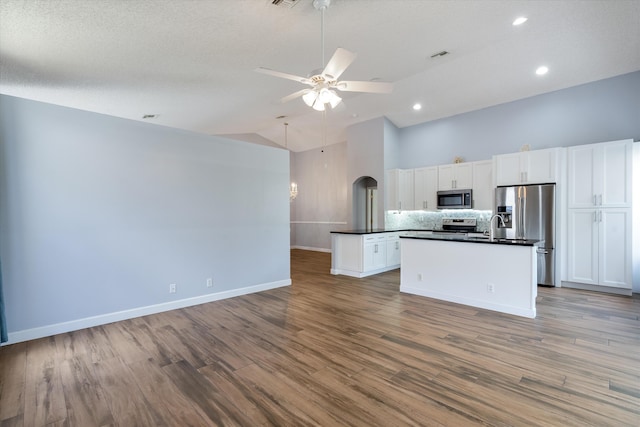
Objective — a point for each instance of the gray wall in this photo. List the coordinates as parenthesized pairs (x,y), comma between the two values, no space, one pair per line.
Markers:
(605,110)
(365,158)
(601,111)
(99,214)
(321,205)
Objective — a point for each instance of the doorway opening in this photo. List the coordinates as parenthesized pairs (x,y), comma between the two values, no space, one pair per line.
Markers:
(365,203)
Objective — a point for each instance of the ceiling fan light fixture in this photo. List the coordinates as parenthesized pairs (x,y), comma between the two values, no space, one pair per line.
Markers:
(318,105)
(310,97)
(325,95)
(335,99)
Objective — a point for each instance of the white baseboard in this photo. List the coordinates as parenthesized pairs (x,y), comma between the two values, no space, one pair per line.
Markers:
(596,288)
(360,274)
(309,248)
(487,305)
(103,319)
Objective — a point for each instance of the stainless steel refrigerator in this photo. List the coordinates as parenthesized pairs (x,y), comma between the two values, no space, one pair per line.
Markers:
(529,213)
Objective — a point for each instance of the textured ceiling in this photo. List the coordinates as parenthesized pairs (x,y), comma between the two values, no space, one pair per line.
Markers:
(191,62)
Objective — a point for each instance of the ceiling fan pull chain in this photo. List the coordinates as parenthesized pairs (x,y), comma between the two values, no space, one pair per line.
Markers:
(324,129)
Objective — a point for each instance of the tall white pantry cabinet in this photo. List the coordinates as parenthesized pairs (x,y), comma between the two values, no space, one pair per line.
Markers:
(599,214)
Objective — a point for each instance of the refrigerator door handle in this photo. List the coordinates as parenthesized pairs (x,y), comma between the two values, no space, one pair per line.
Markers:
(523,219)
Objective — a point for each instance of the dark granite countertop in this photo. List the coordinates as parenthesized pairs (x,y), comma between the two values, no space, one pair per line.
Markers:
(375,230)
(474,239)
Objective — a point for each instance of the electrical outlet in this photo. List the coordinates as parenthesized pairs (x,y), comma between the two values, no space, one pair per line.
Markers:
(491,288)
(172,288)
(209,282)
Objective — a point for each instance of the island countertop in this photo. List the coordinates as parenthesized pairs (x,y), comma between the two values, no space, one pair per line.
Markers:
(475,239)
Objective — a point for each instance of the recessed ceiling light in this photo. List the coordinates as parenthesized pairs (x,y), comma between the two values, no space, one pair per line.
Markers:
(541,71)
(417,106)
(519,21)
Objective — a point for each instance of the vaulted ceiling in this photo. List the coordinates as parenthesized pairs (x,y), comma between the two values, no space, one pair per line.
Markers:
(191,63)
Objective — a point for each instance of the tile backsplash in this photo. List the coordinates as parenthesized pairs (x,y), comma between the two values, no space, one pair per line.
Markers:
(426,220)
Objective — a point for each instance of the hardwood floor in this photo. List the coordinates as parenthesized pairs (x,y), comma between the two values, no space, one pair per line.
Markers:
(334,351)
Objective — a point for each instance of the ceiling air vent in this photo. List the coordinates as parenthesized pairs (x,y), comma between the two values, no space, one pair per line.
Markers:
(439,54)
(284,3)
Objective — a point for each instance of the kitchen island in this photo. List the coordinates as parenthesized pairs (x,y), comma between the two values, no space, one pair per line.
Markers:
(499,275)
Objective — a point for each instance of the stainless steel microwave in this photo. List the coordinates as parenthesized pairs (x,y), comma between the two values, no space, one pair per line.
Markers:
(454,199)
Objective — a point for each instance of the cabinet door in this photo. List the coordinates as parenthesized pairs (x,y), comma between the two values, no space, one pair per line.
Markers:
(614,188)
(483,185)
(374,252)
(425,188)
(392,178)
(600,175)
(615,247)
(445,177)
(581,166)
(393,251)
(583,246)
(507,169)
(463,175)
(539,166)
(406,189)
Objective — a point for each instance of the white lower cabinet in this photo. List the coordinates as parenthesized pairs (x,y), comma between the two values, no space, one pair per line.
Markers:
(375,252)
(600,247)
(361,255)
(393,250)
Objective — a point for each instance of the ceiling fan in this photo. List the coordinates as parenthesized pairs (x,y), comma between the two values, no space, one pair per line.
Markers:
(324,82)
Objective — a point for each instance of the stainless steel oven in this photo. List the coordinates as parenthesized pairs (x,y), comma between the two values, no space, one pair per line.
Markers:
(454,199)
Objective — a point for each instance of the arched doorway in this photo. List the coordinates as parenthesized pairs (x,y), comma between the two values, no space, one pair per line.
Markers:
(365,203)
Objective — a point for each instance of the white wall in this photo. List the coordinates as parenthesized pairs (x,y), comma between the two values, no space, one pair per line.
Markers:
(99,215)
(321,205)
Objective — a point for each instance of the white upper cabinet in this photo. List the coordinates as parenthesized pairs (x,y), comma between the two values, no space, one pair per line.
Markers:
(482,187)
(600,175)
(527,167)
(425,188)
(399,189)
(455,176)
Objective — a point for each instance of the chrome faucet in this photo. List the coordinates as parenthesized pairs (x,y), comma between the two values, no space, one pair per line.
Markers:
(491,232)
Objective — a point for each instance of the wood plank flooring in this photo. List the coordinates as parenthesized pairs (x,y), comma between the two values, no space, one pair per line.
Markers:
(337,351)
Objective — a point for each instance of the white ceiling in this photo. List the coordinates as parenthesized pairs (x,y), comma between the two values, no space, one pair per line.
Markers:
(192,62)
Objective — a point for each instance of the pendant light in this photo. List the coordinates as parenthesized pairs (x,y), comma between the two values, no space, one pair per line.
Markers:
(293,188)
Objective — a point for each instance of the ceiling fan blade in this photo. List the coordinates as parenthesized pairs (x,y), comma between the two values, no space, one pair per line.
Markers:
(294,95)
(339,62)
(371,87)
(280,74)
